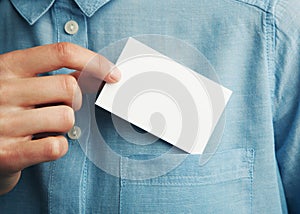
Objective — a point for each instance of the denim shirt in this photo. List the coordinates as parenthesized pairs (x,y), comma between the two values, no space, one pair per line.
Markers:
(253,46)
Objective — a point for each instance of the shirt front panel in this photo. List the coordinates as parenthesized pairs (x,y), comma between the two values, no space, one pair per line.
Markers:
(233,36)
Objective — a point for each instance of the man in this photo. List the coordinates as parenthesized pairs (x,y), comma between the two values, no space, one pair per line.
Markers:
(254,48)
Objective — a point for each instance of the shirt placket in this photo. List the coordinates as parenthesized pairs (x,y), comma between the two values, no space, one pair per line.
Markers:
(70,26)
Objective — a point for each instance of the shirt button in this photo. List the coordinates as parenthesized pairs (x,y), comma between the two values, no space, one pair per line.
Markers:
(74,133)
(71,27)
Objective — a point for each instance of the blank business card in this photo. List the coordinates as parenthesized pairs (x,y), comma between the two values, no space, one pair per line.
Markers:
(155,86)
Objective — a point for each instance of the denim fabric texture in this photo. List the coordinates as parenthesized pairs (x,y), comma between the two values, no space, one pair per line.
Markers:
(253,46)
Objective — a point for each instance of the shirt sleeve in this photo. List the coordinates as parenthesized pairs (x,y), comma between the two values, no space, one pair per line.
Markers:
(286,100)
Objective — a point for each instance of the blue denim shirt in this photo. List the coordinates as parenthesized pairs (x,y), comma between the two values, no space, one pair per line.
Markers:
(253,46)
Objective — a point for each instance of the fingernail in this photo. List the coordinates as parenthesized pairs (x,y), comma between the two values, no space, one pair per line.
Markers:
(115,75)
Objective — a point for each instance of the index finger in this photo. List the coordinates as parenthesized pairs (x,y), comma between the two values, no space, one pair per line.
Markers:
(41,59)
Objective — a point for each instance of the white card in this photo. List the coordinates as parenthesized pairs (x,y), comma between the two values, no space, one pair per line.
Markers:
(138,61)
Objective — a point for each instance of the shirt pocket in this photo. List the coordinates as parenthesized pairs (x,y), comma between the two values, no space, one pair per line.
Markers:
(222,185)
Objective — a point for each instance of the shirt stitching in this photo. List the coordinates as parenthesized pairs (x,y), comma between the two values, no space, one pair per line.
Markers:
(270,49)
(83,187)
(50,193)
(255,3)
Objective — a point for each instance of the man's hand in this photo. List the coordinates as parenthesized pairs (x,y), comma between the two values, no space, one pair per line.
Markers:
(21,91)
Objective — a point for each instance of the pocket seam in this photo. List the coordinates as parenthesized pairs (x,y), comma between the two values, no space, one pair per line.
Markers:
(245,171)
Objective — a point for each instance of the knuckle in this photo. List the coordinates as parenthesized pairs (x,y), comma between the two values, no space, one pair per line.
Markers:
(67,117)
(68,84)
(64,52)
